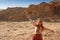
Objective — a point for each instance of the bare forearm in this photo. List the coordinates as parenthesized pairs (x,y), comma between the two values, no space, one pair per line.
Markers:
(48,29)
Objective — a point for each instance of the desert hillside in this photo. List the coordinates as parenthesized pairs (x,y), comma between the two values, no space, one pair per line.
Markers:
(50,11)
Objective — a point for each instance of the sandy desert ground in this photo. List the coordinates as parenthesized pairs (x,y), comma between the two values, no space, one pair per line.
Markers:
(25,31)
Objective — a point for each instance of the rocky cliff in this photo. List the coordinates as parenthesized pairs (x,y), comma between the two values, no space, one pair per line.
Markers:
(43,10)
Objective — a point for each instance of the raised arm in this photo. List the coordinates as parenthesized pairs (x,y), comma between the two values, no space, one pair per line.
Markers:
(32,21)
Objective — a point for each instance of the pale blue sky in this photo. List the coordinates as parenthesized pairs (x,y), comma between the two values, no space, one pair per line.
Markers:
(19,3)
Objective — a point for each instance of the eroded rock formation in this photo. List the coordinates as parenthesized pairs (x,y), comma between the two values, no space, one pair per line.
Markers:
(42,10)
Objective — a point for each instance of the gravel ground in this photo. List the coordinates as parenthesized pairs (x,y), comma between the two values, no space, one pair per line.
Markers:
(25,31)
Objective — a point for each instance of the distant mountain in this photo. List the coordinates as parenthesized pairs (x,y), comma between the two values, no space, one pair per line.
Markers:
(41,10)
(1,9)
(46,11)
(12,14)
